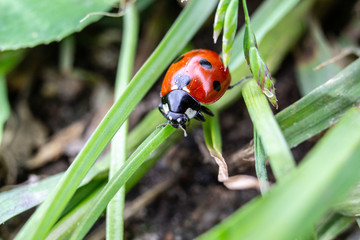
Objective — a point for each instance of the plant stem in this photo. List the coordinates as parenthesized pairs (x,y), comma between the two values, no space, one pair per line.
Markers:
(269,131)
(115,209)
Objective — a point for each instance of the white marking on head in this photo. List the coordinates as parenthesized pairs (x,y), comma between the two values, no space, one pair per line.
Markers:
(178,120)
(174,87)
(170,118)
(190,113)
(166,108)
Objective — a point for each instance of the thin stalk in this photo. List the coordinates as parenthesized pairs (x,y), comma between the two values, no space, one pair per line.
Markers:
(268,129)
(115,209)
(4,104)
(67,53)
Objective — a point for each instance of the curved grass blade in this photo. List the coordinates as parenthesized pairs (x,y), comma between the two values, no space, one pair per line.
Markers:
(120,178)
(299,214)
(212,135)
(18,200)
(333,225)
(115,209)
(182,30)
(274,143)
(322,107)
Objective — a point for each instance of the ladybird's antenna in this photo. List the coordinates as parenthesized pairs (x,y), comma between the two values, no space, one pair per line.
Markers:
(162,125)
(239,82)
(185,134)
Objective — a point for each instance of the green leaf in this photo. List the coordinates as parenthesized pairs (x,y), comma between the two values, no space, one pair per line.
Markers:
(182,30)
(274,143)
(331,168)
(27,23)
(255,61)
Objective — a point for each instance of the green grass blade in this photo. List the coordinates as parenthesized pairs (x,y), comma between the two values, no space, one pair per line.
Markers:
(8,60)
(115,209)
(67,54)
(333,226)
(351,205)
(144,128)
(180,33)
(322,107)
(63,229)
(4,104)
(323,178)
(120,178)
(260,163)
(212,134)
(274,143)
(18,200)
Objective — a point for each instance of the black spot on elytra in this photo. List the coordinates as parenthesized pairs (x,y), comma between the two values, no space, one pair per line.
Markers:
(217,85)
(205,63)
(178,59)
(182,80)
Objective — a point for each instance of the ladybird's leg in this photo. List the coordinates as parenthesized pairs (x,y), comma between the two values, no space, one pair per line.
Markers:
(200,117)
(206,110)
(162,110)
(241,81)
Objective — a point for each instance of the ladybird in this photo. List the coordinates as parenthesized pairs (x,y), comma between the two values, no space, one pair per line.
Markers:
(195,78)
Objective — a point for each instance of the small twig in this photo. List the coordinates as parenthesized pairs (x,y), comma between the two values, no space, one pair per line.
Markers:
(120,13)
(148,197)
(338,57)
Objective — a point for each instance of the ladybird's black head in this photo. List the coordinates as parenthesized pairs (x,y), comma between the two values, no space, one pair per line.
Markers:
(178,107)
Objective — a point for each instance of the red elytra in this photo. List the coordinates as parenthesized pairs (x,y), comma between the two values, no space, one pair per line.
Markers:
(201,73)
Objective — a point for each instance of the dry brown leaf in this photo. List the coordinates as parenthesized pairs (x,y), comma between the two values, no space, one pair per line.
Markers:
(56,145)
